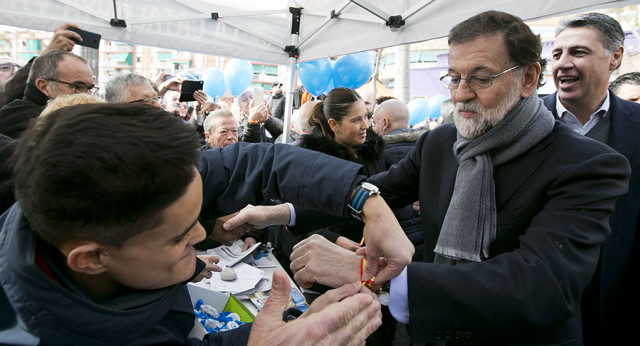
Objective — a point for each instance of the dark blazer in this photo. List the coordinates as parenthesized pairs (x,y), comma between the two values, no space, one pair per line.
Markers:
(610,311)
(552,206)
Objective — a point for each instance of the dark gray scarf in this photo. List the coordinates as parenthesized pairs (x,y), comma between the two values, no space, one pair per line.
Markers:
(469,228)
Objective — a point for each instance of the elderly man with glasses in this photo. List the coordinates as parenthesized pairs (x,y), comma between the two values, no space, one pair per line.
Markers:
(131,88)
(54,73)
(514,205)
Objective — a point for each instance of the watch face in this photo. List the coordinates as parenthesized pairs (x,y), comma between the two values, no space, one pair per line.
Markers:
(370,187)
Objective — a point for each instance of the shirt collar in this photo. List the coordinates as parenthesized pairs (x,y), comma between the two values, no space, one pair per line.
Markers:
(560,109)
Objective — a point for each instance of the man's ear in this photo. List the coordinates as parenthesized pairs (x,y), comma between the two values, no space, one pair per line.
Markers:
(530,76)
(87,258)
(206,135)
(43,86)
(616,58)
(385,123)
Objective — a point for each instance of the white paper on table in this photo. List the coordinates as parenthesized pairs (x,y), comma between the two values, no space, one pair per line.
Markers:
(263,285)
(248,278)
(230,255)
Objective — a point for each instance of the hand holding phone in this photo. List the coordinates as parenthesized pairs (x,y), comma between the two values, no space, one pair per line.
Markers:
(258,96)
(188,88)
(89,39)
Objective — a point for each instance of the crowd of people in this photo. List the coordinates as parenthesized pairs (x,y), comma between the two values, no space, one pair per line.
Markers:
(514,221)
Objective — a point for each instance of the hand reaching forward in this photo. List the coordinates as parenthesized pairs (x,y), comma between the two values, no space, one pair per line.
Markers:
(259,216)
(348,321)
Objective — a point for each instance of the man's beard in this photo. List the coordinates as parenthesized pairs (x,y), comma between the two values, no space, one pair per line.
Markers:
(485,119)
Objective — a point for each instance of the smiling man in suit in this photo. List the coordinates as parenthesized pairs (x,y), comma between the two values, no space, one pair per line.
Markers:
(587,49)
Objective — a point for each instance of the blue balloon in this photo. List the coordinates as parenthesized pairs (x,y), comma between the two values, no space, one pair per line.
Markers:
(214,84)
(329,88)
(353,70)
(238,74)
(434,105)
(315,75)
(418,110)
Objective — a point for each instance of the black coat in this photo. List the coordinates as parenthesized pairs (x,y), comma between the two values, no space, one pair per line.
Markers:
(552,205)
(276,106)
(611,305)
(18,114)
(370,154)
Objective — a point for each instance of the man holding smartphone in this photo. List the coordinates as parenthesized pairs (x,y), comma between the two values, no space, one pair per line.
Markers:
(257,126)
(13,88)
(70,75)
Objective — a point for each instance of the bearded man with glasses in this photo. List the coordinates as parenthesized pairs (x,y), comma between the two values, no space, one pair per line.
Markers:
(514,205)
(54,73)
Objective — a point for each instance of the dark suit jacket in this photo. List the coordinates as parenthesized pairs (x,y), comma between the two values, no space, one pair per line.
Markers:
(610,311)
(552,204)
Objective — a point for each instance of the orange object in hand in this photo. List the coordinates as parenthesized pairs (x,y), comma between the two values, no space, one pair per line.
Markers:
(363,262)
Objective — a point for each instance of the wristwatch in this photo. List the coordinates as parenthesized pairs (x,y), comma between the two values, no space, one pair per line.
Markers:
(364,191)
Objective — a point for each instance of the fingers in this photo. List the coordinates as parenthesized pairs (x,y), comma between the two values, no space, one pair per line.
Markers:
(349,322)
(63,39)
(372,266)
(334,296)
(249,242)
(278,299)
(268,327)
(238,219)
(347,243)
(209,258)
(302,275)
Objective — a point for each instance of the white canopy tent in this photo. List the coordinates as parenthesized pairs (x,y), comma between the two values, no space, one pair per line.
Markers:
(275,31)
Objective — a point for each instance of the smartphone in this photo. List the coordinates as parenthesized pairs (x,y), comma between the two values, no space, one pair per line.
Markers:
(89,39)
(188,88)
(258,96)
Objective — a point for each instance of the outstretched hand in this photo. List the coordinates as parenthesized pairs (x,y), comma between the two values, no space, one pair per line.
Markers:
(259,216)
(343,318)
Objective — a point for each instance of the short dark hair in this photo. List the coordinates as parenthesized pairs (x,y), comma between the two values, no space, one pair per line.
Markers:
(524,46)
(335,106)
(45,66)
(609,30)
(381,99)
(627,78)
(102,172)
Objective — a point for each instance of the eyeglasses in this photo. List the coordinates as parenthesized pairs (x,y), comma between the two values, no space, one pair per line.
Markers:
(148,100)
(474,81)
(8,67)
(78,87)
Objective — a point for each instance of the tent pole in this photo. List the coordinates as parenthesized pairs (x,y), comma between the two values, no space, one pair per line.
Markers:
(292,49)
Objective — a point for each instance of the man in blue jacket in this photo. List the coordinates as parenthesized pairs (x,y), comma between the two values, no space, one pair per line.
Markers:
(99,246)
(587,49)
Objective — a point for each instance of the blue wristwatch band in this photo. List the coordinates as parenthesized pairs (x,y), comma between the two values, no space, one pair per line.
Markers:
(364,191)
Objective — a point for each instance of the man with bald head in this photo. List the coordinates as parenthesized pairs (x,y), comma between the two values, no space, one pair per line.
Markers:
(391,121)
